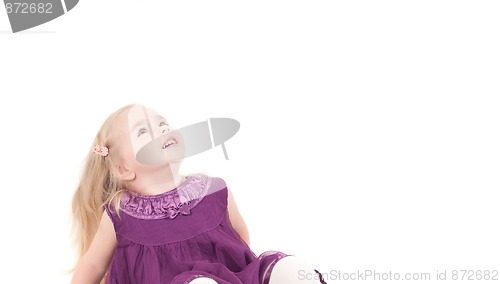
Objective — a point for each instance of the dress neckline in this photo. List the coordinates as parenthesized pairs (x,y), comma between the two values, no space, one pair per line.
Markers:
(169,204)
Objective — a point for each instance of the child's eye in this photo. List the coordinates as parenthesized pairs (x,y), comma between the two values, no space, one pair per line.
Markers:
(141,131)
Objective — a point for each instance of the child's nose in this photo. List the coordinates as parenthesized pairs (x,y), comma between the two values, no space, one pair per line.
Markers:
(166,129)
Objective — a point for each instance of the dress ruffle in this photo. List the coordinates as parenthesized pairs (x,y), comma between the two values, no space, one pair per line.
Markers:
(170,204)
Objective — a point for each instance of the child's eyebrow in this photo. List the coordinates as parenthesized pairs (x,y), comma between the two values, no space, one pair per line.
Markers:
(137,124)
(160,117)
(143,121)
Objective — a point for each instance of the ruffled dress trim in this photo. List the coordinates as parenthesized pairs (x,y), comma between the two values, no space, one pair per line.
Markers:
(167,205)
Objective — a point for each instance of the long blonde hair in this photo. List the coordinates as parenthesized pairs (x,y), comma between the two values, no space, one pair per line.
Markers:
(96,188)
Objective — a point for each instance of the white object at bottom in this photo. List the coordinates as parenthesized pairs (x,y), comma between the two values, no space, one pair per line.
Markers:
(203,280)
(293,270)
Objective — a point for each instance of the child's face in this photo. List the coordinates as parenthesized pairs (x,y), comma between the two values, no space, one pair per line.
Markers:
(144,126)
(147,138)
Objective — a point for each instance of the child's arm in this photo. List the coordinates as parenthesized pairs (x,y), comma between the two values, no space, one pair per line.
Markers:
(236,219)
(94,263)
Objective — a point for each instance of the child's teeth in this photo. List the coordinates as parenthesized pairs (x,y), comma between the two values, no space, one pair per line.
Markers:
(169,142)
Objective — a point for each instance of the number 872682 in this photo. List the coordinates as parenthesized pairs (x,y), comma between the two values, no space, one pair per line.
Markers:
(29,8)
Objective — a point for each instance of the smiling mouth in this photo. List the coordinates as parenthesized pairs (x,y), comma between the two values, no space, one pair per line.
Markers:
(168,142)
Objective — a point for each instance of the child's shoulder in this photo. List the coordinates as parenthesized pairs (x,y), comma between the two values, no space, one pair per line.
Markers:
(214,183)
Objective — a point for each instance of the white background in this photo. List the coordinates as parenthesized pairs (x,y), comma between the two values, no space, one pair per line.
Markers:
(369,129)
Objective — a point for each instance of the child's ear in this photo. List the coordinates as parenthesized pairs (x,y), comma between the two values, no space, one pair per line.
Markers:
(122,172)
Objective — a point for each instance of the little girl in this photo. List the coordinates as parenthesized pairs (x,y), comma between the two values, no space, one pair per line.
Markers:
(143,223)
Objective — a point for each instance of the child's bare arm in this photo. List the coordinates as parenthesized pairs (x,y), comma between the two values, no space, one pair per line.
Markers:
(236,219)
(95,262)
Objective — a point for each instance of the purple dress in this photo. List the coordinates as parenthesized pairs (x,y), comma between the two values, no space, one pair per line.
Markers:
(177,236)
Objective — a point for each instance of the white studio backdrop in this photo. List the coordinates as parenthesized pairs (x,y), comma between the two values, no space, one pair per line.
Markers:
(369,129)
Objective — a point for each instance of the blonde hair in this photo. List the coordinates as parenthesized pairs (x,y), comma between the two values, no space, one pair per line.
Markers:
(96,188)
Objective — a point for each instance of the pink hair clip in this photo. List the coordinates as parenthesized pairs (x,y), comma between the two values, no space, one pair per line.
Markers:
(101,150)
